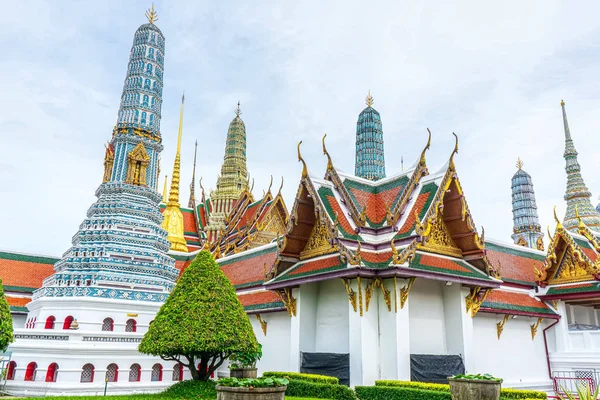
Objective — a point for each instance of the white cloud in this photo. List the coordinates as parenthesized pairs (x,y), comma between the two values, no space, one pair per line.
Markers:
(493,73)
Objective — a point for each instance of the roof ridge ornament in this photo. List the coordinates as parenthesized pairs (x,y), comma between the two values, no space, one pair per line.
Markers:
(455,151)
(304,167)
(558,223)
(427,146)
(329,162)
(151,15)
(281,186)
(369,99)
(270,184)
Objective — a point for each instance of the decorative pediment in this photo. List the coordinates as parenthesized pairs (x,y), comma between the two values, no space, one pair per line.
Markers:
(139,153)
(319,241)
(439,239)
(566,261)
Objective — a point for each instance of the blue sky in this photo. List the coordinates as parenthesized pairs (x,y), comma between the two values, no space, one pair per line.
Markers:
(492,73)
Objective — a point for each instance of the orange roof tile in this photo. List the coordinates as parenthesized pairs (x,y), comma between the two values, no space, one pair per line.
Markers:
(25,271)
(248,269)
(515,265)
(512,301)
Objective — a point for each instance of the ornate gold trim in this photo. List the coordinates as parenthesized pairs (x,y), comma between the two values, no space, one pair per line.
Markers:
(374,284)
(288,300)
(351,293)
(405,291)
(475,299)
(395,295)
(355,259)
(534,328)
(500,325)
(360,296)
(263,324)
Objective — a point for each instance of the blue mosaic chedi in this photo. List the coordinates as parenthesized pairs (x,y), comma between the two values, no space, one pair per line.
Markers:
(142,92)
(526,225)
(120,250)
(370,160)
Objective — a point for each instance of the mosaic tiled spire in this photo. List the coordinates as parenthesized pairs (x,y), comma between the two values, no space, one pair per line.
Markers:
(370,158)
(526,225)
(120,250)
(577,194)
(233,179)
(141,101)
(173,218)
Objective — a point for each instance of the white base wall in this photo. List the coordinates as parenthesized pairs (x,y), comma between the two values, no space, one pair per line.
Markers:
(515,357)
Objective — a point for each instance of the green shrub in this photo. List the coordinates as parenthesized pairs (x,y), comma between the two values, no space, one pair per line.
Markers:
(508,393)
(319,390)
(192,389)
(505,393)
(439,387)
(398,393)
(332,380)
(6,328)
(202,323)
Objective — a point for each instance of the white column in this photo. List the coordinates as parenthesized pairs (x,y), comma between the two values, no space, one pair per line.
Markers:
(561,330)
(364,338)
(394,349)
(459,325)
(303,325)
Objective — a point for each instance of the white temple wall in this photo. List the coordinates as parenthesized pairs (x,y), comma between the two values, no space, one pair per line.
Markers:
(276,344)
(426,316)
(331,334)
(18,320)
(518,360)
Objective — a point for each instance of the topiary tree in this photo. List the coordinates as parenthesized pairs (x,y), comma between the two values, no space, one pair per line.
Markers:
(202,322)
(6,328)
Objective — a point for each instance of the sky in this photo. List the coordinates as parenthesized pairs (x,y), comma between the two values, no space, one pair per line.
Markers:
(493,72)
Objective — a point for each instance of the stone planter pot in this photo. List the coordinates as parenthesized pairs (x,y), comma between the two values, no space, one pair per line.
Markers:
(242,393)
(474,389)
(242,373)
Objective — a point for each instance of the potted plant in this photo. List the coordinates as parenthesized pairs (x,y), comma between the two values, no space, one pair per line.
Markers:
(242,364)
(475,387)
(254,388)
(584,392)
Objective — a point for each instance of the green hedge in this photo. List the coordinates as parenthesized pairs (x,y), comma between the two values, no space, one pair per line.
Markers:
(192,389)
(398,393)
(332,380)
(298,388)
(505,393)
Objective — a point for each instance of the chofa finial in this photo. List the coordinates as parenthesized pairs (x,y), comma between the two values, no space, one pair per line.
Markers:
(152,15)
(519,163)
(304,168)
(329,162)
(369,99)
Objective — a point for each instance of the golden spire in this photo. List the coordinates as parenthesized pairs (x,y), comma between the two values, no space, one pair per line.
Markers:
(152,15)
(369,99)
(164,200)
(173,218)
(562,102)
(519,163)
(238,110)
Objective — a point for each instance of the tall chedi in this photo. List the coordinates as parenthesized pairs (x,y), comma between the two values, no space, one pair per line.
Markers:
(578,196)
(233,179)
(120,251)
(370,158)
(526,225)
(173,218)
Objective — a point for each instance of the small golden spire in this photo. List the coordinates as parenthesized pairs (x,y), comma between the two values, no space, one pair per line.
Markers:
(369,99)
(238,110)
(304,168)
(164,200)
(152,15)
(562,103)
(519,163)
